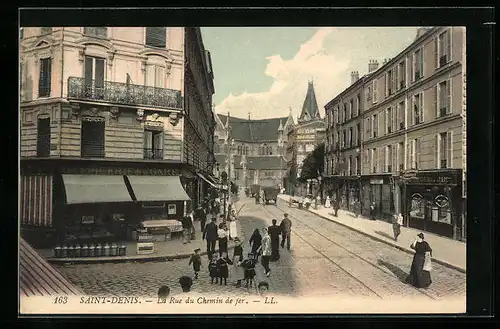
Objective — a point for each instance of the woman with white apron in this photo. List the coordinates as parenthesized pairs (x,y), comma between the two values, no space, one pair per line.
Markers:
(237,272)
(233,232)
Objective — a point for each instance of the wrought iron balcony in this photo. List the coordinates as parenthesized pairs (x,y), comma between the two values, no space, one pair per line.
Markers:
(123,93)
(153,154)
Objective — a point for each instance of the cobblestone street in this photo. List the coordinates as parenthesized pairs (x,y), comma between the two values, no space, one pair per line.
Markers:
(325,259)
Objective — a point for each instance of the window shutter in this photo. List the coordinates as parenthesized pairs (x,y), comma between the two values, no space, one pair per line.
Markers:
(421,62)
(99,72)
(436,99)
(156,36)
(395,119)
(436,151)
(374,90)
(394,79)
(386,121)
(436,51)
(421,107)
(150,75)
(412,112)
(408,157)
(386,158)
(417,152)
(377,125)
(449,144)
(386,78)
(449,90)
(159,77)
(394,154)
(449,44)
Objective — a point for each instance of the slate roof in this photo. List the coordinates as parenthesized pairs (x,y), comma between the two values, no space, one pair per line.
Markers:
(254,130)
(270,162)
(310,108)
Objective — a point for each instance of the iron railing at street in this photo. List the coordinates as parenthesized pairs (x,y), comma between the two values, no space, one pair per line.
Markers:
(123,93)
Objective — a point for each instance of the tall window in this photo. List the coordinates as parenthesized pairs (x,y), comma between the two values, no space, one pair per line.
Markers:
(345,118)
(351,109)
(444,150)
(156,37)
(401,156)
(401,81)
(358,165)
(389,82)
(44,80)
(443,98)
(344,138)
(239,149)
(358,134)
(43,138)
(155,76)
(389,119)
(358,104)
(418,64)
(94,77)
(92,137)
(375,91)
(443,49)
(414,154)
(388,157)
(350,165)
(418,109)
(372,160)
(351,142)
(100,32)
(401,115)
(374,125)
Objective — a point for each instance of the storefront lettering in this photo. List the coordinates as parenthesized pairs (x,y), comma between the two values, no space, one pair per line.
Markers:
(122,171)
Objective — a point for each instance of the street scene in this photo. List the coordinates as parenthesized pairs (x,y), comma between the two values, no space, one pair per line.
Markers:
(168,162)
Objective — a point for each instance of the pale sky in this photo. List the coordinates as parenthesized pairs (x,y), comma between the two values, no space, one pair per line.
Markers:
(264,70)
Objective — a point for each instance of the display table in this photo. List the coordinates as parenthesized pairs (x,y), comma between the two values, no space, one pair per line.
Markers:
(157,224)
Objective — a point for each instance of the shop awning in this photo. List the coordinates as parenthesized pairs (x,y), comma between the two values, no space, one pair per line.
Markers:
(95,189)
(38,278)
(207,180)
(158,188)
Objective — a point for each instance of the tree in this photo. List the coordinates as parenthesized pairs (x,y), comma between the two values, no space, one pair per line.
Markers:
(313,164)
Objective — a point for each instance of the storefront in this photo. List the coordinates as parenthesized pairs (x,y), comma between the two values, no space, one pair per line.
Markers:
(434,202)
(78,200)
(378,189)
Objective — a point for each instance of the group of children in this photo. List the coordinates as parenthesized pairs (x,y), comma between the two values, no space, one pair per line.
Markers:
(218,267)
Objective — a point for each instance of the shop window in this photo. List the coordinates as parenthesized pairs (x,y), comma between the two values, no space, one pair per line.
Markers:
(92,137)
(43,138)
(417,209)
(441,211)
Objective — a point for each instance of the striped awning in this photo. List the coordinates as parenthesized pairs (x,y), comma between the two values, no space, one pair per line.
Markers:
(36,200)
(38,278)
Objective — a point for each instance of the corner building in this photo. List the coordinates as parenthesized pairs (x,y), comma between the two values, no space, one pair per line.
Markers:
(413,134)
(115,124)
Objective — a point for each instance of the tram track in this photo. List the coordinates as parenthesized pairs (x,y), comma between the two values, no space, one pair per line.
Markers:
(346,250)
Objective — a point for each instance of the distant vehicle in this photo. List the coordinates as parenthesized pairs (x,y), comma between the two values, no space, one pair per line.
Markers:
(254,190)
(270,194)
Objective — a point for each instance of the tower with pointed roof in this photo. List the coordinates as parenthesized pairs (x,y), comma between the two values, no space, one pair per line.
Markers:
(310,109)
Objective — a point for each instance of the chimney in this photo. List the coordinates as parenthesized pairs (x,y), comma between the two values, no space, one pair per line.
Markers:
(354,76)
(372,65)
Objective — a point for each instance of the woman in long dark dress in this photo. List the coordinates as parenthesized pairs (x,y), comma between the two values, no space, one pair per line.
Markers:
(419,277)
(256,242)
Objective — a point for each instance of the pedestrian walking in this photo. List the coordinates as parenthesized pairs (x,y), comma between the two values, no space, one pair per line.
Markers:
(210,234)
(249,269)
(213,269)
(196,261)
(187,225)
(201,215)
(237,272)
(286,230)
(274,231)
(266,251)
(256,241)
(373,208)
(222,236)
(223,268)
(336,207)
(397,221)
(420,276)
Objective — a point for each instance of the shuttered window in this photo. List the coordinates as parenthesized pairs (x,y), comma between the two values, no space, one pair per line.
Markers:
(45,77)
(417,153)
(43,138)
(375,91)
(155,76)
(156,37)
(92,138)
(100,32)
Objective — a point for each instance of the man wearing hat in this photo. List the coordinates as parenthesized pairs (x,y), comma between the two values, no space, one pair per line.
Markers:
(286,230)
(196,261)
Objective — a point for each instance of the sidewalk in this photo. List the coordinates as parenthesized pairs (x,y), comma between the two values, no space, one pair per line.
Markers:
(447,252)
(164,250)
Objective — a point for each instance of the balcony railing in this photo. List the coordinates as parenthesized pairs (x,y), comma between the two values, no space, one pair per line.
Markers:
(123,93)
(153,154)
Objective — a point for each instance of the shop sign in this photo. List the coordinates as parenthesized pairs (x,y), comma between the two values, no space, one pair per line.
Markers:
(376,181)
(122,171)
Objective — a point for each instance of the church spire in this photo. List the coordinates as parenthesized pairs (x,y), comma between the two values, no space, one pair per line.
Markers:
(310,108)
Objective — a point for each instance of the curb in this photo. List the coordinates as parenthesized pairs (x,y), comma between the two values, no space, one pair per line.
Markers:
(407,250)
(124,259)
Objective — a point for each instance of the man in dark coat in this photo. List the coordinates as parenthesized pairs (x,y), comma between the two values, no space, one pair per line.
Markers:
(201,216)
(210,234)
(286,230)
(187,226)
(274,231)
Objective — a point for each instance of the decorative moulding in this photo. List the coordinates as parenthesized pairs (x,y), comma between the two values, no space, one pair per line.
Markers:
(114,112)
(174,118)
(140,114)
(94,111)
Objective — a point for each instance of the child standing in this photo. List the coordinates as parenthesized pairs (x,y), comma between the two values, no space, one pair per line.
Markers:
(223,269)
(249,266)
(213,269)
(196,261)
